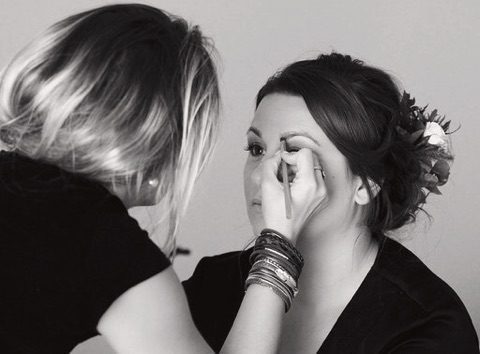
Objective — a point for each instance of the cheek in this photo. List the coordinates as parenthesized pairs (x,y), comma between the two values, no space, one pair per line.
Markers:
(246,183)
(251,187)
(339,183)
(248,179)
(341,195)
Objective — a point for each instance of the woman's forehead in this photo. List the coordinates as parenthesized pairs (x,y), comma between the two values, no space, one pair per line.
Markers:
(283,115)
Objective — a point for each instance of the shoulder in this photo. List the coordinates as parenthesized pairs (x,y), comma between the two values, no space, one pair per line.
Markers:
(218,274)
(421,303)
(405,271)
(214,293)
(55,203)
(221,270)
(28,184)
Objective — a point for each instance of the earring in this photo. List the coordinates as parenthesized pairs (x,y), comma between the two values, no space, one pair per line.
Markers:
(153,182)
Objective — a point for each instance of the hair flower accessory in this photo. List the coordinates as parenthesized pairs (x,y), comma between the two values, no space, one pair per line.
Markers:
(428,132)
(436,135)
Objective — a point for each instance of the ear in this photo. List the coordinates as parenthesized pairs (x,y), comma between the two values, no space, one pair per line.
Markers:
(361,193)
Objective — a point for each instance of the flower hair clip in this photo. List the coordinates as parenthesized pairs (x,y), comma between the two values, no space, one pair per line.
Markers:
(428,132)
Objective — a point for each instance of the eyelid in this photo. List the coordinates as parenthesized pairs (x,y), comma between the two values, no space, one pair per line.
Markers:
(305,135)
(254,140)
(303,142)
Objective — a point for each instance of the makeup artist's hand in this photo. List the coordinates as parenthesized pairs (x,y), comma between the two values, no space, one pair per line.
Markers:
(307,189)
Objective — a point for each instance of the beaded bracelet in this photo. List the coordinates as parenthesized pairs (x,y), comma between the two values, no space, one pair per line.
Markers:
(271,246)
(276,264)
(281,273)
(274,254)
(270,278)
(261,277)
(268,237)
(270,232)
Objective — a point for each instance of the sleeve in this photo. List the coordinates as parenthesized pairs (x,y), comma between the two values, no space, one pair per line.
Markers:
(121,255)
(443,333)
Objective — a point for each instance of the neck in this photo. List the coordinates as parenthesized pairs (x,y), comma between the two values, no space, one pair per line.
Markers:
(335,264)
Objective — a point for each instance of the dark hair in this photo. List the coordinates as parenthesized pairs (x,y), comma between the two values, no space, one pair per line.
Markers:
(359,107)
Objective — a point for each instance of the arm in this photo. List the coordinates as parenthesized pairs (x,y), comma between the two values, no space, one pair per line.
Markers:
(258,324)
(153,316)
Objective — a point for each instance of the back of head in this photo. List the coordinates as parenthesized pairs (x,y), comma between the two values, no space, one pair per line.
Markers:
(381,133)
(120,94)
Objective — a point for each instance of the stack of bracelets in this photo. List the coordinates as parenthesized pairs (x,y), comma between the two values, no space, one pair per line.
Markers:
(276,264)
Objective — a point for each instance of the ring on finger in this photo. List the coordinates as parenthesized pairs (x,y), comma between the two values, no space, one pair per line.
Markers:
(319,168)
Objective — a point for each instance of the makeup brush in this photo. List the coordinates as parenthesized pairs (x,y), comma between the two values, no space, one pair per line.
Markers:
(286,184)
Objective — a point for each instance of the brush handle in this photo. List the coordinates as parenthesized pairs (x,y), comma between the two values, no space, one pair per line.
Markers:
(286,185)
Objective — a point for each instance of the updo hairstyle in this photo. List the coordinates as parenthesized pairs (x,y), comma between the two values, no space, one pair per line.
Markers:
(360,109)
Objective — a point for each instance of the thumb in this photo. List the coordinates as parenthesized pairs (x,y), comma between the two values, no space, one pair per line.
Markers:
(303,161)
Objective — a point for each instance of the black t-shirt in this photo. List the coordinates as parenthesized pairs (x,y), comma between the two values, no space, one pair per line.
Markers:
(400,307)
(68,249)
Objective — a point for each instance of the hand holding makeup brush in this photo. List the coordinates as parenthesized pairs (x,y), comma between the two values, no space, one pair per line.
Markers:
(307,191)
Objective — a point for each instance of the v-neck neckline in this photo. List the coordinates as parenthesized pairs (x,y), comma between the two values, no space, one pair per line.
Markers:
(353,304)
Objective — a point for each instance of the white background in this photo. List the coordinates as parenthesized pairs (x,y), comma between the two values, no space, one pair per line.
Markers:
(430,46)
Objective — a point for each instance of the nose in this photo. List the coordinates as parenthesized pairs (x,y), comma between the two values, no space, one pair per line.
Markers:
(256,175)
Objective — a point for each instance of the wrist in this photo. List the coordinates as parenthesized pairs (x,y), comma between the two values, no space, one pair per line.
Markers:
(284,232)
(275,232)
(276,264)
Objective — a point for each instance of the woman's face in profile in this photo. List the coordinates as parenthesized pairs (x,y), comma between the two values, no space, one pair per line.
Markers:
(282,115)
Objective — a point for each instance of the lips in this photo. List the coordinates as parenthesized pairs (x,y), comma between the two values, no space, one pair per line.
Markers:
(257,202)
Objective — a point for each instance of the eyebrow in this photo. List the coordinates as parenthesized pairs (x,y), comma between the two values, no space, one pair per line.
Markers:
(254,131)
(286,135)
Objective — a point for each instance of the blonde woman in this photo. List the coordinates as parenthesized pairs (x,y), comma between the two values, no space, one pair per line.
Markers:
(112,108)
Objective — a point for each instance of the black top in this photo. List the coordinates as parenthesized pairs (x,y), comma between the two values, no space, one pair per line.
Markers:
(400,307)
(68,249)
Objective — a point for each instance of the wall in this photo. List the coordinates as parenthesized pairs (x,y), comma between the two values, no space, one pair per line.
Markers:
(431,46)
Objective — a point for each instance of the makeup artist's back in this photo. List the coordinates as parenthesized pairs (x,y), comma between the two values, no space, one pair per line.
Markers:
(68,250)
(87,115)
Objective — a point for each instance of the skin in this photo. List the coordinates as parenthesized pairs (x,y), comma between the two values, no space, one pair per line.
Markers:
(338,250)
(153,316)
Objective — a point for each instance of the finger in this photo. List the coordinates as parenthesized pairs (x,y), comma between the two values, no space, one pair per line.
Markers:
(318,169)
(270,168)
(303,160)
(289,157)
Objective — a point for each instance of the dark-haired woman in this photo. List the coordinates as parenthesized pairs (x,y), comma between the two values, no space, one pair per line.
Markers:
(379,155)
(113,108)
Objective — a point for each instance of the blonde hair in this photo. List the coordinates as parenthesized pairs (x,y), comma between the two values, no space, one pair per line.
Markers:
(119,94)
